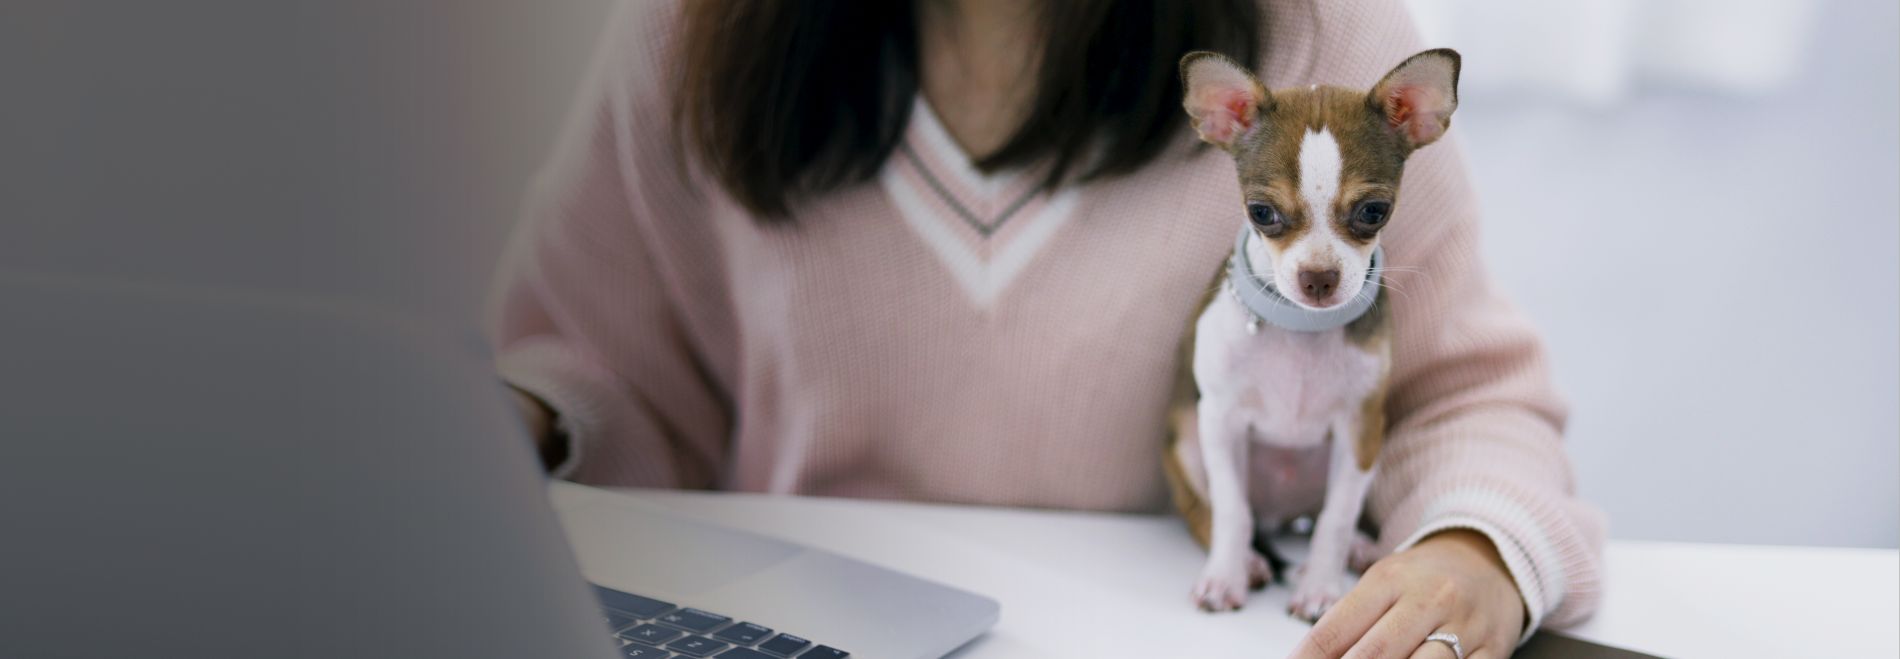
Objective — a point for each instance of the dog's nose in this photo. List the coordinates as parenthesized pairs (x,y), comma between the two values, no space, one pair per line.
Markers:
(1318,284)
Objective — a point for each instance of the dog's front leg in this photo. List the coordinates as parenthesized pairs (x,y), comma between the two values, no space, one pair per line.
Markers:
(1223,438)
(1323,579)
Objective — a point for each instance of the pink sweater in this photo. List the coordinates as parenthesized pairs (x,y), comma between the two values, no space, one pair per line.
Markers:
(939,335)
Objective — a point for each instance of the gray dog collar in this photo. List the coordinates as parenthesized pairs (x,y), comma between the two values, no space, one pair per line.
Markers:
(1267,304)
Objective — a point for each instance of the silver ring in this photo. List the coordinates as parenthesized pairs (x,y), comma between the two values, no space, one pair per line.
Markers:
(1450,639)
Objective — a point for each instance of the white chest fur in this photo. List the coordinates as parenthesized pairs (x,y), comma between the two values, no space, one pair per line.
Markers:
(1289,386)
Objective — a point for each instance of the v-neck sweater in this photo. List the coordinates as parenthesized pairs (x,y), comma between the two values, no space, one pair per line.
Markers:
(939,334)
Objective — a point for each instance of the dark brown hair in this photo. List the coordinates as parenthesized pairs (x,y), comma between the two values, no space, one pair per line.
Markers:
(783,98)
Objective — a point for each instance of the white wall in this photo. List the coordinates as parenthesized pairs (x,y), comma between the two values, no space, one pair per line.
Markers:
(1719,278)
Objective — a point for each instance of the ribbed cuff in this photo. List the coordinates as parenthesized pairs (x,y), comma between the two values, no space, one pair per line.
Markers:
(577,391)
(1528,554)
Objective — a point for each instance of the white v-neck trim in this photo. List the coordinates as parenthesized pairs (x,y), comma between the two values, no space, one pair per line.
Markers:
(945,151)
(983,280)
(986,266)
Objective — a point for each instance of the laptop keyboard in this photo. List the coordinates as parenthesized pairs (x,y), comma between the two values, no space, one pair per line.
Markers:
(647,628)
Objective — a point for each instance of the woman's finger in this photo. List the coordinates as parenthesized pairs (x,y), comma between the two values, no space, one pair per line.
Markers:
(1444,652)
(1398,633)
(1437,650)
(1347,621)
(1473,643)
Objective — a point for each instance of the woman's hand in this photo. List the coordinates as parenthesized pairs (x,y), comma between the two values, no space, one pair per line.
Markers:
(1453,581)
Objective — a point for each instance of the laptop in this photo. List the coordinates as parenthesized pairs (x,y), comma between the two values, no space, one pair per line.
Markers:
(728,593)
(215,473)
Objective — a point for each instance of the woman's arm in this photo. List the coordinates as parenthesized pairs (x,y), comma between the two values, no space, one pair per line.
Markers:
(621,376)
(1474,492)
(1476,441)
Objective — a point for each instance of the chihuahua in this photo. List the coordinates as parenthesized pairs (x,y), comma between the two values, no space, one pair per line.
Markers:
(1280,408)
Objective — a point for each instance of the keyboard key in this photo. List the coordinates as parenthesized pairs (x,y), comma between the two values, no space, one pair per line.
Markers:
(742,653)
(640,607)
(694,620)
(617,620)
(744,633)
(651,634)
(696,646)
(825,652)
(638,651)
(784,645)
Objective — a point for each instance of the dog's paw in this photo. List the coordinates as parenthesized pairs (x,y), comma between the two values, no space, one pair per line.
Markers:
(1221,587)
(1316,591)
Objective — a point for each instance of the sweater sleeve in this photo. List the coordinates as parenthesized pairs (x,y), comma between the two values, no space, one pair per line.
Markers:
(1475,440)
(588,311)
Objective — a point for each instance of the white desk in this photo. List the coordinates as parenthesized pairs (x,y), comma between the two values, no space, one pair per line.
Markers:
(1098,585)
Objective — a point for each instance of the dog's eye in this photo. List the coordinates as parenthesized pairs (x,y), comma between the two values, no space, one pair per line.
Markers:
(1371,215)
(1267,218)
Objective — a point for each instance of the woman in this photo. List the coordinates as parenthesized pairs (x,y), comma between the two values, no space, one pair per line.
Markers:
(944,251)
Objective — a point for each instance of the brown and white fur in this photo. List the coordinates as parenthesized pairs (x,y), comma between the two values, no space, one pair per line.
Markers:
(1268,420)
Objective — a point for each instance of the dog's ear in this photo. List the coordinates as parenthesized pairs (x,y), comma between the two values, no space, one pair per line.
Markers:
(1419,95)
(1223,98)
